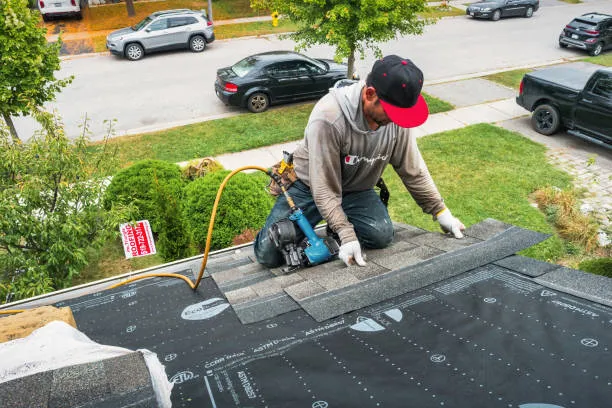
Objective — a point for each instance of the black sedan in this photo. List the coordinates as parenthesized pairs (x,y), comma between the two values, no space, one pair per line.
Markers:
(275,77)
(495,9)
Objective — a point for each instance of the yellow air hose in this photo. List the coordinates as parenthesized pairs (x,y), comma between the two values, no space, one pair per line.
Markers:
(191,284)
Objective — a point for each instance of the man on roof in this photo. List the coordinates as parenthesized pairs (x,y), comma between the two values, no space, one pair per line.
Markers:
(352,134)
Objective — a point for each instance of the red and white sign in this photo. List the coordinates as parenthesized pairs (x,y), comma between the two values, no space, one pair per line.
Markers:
(137,239)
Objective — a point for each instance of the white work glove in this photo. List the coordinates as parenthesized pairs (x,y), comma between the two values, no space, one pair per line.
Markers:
(351,253)
(448,223)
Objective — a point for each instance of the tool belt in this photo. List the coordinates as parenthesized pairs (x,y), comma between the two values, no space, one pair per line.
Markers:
(286,173)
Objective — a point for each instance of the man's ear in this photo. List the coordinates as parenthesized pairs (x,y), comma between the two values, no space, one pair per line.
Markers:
(370,94)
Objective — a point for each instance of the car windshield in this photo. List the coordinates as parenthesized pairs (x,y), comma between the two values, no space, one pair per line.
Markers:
(243,67)
(143,23)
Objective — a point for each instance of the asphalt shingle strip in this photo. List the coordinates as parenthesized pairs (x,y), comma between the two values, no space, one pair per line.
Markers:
(486,229)
(333,303)
(526,266)
(117,382)
(260,308)
(585,285)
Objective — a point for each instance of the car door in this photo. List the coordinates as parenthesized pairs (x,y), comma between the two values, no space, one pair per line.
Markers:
(155,34)
(513,8)
(288,82)
(179,30)
(594,109)
(320,79)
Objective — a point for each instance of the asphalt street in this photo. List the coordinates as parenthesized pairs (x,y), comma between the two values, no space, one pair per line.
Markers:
(177,88)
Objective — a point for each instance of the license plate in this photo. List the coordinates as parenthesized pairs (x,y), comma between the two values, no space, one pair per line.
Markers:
(58,4)
(472,13)
(575,36)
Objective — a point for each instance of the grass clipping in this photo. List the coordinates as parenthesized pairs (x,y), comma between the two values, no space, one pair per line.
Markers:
(561,209)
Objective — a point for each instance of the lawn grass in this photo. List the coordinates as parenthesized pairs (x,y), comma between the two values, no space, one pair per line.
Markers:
(572,1)
(215,137)
(483,171)
(511,79)
(439,12)
(255,28)
(114,16)
(603,59)
(437,105)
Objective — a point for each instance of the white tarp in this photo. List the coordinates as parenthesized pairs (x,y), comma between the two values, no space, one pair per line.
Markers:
(58,345)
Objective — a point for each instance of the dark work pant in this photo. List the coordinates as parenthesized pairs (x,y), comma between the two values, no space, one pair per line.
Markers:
(363,209)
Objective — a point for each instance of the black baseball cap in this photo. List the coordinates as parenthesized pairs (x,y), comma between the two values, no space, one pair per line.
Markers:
(398,83)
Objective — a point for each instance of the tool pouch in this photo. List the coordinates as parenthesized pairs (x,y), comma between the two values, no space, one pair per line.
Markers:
(287,176)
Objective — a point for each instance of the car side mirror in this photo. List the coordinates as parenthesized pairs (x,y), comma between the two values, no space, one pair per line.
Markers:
(148,30)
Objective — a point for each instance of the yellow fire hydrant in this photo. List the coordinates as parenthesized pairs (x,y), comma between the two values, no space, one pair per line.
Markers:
(275,19)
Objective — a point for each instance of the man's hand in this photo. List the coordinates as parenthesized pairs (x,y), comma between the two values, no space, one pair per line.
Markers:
(351,253)
(448,223)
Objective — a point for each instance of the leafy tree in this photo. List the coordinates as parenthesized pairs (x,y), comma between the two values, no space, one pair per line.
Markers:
(50,208)
(27,62)
(348,25)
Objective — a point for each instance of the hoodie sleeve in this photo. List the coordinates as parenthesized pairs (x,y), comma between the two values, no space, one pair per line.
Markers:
(410,166)
(324,167)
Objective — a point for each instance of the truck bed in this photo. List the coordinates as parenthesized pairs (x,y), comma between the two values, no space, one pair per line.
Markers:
(570,78)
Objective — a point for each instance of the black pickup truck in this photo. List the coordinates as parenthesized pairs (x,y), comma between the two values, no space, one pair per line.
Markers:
(573,99)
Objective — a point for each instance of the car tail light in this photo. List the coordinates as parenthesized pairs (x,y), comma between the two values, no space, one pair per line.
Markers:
(209,23)
(569,26)
(73,2)
(42,4)
(521,88)
(594,32)
(591,40)
(229,87)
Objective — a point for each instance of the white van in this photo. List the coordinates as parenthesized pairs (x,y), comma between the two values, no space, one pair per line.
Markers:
(59,8)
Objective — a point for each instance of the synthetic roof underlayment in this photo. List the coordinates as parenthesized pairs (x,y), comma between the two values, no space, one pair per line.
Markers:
(432,321)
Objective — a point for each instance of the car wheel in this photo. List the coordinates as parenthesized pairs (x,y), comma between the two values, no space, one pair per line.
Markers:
(597,50)
(45,18)
(529,12)
(496,15)
(258,102)
(197,43)
(562,45)
(546,119)
(134,52)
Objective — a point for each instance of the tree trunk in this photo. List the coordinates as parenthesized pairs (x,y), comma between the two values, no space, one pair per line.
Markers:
(11,126)
(351,65)
(210,16)
(129,4)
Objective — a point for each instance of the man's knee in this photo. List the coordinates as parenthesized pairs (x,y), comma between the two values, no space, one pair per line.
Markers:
(266,252)
(378,235)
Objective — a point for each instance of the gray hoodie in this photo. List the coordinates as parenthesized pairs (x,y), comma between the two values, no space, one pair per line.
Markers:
(340,154)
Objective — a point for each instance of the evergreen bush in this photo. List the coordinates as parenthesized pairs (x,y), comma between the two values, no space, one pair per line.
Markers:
(141,183)
(156,189)
(244,204)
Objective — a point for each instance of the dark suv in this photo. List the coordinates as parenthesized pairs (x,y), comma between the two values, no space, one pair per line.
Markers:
(591,32)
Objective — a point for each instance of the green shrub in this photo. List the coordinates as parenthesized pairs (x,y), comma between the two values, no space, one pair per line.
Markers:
(598,266)
(156,188)
(141,184)
(244,204)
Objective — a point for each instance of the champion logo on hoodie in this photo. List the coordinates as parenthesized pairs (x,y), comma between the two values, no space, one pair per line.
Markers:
(353,160)
(348,159)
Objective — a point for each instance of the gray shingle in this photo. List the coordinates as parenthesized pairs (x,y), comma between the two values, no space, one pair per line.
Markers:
(585,285)
(262,308)
(486,229)
(330,304)
(526,266)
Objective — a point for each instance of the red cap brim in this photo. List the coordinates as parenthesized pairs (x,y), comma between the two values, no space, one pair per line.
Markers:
(407,117)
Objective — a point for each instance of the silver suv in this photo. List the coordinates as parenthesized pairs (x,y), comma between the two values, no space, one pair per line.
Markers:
(163,30)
